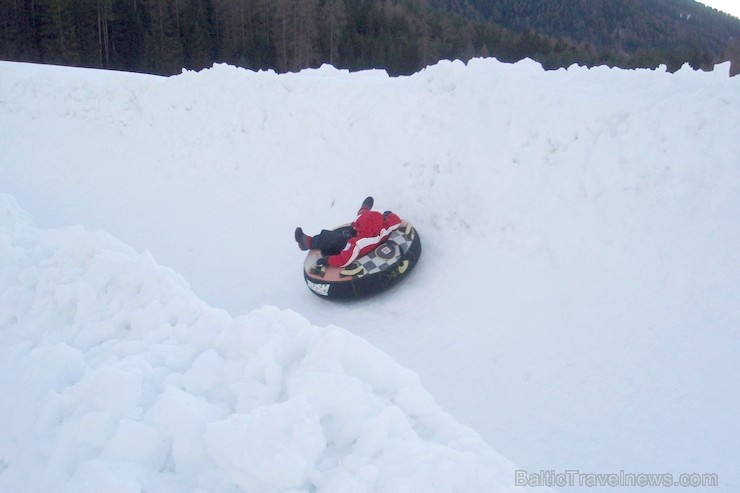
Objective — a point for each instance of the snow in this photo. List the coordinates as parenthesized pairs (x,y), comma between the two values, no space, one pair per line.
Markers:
(113,369)
(575,308)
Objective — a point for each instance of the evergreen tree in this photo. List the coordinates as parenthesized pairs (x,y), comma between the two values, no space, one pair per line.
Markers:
(196,32)
(334,15)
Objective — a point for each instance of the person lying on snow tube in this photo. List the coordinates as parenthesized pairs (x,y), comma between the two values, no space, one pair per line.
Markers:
(344,245)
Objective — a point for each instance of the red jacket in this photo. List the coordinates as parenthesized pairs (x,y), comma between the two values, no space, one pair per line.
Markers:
(372,229)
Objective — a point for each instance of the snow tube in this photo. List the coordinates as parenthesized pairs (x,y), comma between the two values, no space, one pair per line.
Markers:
(380,269)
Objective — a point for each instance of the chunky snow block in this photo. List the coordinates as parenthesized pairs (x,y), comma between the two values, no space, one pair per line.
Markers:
(378,270)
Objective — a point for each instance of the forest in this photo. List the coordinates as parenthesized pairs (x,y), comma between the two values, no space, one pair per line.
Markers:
(400,36)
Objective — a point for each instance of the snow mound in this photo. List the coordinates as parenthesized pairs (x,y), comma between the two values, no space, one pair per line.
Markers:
(127,382)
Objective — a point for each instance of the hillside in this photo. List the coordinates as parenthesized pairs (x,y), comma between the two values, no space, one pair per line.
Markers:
(575,307)
(617,25)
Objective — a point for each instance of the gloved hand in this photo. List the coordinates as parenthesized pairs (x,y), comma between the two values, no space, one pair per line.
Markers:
(322,262)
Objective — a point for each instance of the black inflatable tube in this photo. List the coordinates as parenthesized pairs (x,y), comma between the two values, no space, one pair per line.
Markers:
(356,287)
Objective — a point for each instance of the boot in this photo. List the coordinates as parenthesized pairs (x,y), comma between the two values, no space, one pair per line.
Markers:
(367,204)
(304,241)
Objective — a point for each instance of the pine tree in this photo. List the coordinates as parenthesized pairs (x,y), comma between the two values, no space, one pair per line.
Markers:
(197,34)
(334,15)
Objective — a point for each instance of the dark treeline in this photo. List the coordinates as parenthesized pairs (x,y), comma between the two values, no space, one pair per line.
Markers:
(626,32)
(401,36)
(622,25)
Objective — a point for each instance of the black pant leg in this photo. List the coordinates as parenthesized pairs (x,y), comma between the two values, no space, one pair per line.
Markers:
(329,242)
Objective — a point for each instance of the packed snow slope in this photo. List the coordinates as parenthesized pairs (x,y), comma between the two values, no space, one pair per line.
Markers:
(576,302)
(116,377)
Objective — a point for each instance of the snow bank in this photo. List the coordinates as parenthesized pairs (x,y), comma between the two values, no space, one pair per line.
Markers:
(126,382)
